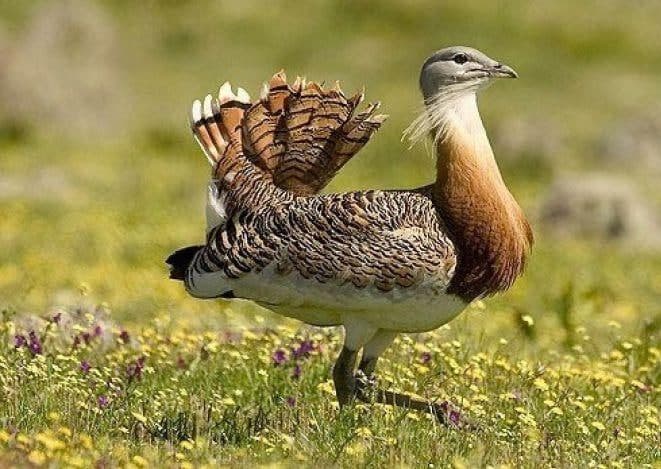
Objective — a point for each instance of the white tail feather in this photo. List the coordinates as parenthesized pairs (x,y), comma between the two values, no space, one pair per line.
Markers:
(225,93)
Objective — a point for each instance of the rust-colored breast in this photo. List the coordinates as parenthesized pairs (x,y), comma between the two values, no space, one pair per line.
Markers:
(490,232)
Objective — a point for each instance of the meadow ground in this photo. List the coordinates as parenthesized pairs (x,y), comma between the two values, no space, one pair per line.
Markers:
(105,362)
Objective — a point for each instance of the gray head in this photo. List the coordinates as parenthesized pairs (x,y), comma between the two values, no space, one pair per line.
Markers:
(462,68)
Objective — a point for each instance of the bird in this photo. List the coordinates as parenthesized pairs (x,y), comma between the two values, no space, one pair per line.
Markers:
(376,262)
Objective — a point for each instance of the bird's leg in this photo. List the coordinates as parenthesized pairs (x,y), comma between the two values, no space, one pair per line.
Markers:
(367,391)
(356,335)
(345,382)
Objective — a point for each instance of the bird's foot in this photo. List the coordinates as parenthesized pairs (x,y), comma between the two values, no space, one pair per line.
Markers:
(365,385)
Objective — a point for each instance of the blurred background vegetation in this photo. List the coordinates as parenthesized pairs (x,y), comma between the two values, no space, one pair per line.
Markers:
(100,178)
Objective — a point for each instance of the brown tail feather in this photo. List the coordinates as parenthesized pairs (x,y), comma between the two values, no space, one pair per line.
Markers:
(216,125)
(299,135)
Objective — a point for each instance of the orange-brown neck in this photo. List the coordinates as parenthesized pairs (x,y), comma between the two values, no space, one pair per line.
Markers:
(490,231)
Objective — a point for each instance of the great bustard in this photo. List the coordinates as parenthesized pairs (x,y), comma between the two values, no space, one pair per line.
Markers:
(377,262)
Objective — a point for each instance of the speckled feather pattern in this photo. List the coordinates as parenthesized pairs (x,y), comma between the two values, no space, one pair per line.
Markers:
(270,159)
(383,239)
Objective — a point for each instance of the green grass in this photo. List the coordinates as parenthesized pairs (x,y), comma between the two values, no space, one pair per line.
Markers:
(86,223)
(173,397)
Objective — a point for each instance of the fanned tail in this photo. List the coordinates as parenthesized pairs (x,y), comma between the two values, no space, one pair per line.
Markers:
(295,136)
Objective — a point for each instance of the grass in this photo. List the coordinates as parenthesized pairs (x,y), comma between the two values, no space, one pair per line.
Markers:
(82,390)
(563,370)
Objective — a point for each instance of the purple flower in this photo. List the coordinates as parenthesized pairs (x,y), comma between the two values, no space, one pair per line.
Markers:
(304,349)
(181,363)
(20,341)
(85,366)
(134,370)
(296,373)
(232,337)
(34,343)
(279,357)
(103,401)
(450,412)
(425,358)
(124,336)
(86,337)
(291,401)
(97,331)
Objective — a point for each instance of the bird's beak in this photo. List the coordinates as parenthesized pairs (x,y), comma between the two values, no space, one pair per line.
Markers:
(503,71)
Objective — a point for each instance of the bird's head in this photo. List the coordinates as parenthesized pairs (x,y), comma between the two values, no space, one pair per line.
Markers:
(460,68)
(449,80)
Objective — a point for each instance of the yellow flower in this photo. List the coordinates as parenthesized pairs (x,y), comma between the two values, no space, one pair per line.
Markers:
(74,461)
(390,441)
(540,384)
(37,458)
(598,425)
(139,417)
(140,461)
(578,404)
(50,442)
(577,348)
(557,411)
(85,441)
(187,445)
(364,432)
(327,387)
(528,320)
(355,449)
(638,384)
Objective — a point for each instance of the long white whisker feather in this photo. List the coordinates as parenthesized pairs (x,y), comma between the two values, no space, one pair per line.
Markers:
(432,120)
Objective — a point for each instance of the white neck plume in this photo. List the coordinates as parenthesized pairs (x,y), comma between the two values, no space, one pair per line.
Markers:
(453,114)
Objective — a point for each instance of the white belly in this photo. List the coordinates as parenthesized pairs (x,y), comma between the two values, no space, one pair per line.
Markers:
(414,309)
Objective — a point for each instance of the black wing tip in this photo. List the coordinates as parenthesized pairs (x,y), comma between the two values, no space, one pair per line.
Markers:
(179,261)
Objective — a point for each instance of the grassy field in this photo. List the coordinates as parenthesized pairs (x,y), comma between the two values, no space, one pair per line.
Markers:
(169,396)
(105,362)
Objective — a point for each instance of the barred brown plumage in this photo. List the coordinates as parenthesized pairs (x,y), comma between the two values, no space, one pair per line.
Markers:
(376,262)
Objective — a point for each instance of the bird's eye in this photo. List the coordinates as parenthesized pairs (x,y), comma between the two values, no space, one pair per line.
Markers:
(460,58)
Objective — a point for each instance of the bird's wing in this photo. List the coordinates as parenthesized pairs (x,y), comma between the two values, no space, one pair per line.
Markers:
(386,240)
